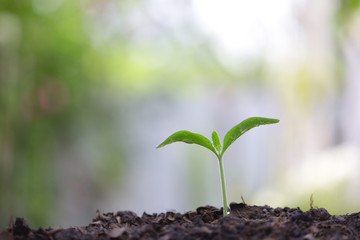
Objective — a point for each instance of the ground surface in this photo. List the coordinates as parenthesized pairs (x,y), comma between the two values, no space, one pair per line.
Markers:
(244,222)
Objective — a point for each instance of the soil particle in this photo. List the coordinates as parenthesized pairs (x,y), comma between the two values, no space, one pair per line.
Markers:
(243,222)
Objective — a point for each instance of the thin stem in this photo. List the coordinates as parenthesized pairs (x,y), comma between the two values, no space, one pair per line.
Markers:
(222,177)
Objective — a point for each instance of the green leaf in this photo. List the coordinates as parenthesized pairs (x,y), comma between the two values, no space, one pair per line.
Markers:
(243,127)
(216,141)
(190,138)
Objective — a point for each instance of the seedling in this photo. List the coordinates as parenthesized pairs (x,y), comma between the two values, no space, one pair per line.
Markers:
(215,146)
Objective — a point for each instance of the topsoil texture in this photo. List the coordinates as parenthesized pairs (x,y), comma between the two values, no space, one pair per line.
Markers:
(243,222)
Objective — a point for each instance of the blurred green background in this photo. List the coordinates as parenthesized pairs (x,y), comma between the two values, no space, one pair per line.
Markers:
(89,88)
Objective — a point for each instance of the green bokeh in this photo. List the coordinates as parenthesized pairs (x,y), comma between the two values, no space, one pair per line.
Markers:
(57,86)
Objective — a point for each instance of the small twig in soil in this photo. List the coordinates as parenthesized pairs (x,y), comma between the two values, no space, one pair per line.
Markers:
(311,201)
(243,200)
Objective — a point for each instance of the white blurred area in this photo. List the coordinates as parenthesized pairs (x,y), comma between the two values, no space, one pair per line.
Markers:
(330,178)
(312,151)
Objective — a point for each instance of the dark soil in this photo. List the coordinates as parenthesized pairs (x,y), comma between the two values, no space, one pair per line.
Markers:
(244,222)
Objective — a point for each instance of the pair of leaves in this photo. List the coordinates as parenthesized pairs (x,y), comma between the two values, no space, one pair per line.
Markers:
(215,146)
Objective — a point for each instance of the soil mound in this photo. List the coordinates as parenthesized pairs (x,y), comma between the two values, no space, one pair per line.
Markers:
(243,222)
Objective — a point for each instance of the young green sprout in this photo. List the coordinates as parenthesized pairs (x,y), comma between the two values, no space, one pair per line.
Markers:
(215,146)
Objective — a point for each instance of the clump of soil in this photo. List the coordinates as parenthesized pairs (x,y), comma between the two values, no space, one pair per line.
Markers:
(243,222)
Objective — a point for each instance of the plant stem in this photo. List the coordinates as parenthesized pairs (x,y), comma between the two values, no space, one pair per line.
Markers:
(222,177)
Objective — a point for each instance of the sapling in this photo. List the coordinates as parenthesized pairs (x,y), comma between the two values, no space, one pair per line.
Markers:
(215,146)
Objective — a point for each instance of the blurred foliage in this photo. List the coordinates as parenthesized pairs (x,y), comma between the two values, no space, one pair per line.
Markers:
(62,74)
(68,70)
(45,90)
(346,9)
